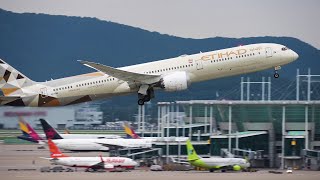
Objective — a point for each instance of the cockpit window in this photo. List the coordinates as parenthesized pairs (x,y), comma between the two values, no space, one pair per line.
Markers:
(284,48)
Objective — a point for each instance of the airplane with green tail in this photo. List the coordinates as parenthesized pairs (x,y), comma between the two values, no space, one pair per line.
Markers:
(215,163)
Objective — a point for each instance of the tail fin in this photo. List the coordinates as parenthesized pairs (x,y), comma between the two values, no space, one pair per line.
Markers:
(25,132)
(28,132)
(54,150)
(50,132)
(130,132)
(11,80)
(23,127)
(33,133)
(192,154)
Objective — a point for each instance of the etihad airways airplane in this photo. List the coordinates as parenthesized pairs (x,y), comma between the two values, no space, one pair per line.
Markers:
(174,74)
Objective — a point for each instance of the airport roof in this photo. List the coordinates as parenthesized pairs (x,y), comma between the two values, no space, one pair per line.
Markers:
(187,126)
(240,134)
(237,102)
(295,134)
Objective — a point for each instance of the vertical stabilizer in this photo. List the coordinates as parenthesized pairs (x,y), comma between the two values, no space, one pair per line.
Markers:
(192,154)
(50,132)
(130,132)
(54,150)
(11,80)
(28,133)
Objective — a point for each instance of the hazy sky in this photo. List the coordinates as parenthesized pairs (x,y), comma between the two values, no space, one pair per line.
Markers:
(194,19)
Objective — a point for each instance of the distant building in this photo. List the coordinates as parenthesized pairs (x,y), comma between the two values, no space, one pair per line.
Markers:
(60,117)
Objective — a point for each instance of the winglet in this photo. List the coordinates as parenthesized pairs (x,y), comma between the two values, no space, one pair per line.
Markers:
(192,154)
(101,159)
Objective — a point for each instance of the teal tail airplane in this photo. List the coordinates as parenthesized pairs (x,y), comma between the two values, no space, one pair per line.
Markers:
(215,163)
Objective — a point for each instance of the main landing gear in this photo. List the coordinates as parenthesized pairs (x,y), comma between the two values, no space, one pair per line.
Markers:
(276,75)
(145,94)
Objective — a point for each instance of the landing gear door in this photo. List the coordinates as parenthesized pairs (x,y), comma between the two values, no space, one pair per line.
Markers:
(199,64)
(269,52)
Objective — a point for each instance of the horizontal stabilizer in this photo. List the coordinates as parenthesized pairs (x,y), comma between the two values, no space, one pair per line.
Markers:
(9,98)
(123,75)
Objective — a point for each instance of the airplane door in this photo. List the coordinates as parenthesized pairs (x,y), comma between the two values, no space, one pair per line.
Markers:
(269,52)
(44,92)
(199,64)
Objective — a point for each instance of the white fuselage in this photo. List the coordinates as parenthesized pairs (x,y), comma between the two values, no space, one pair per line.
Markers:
(198,67)
(101,144)
(87,162)
(225,162)
(85,136)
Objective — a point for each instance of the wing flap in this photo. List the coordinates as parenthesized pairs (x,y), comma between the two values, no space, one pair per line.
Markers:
(122,74)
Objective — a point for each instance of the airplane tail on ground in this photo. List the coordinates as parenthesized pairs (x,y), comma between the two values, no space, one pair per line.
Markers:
(54,150)
(192,154)
(23,127)
(28,133)
(11,80)
(50,132)
(130,132)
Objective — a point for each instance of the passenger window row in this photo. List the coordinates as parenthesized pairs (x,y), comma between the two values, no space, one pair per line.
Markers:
(168,69)
(229,58)
(84,84)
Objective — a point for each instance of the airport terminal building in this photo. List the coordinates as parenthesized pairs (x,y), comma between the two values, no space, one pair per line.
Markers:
(269,133)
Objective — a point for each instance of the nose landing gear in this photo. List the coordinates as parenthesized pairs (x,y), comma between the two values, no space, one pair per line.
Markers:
(276,75)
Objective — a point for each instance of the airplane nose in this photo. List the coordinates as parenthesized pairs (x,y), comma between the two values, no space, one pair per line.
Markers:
(295,56)
(134,163)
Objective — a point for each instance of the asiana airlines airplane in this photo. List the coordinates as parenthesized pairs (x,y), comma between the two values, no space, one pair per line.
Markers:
(174,74)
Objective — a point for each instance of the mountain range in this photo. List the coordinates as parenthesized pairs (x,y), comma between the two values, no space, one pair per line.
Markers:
(45,47)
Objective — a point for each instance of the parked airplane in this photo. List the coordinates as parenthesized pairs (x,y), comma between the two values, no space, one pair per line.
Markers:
(91,163)
(172,74)
(102,144)
(52,133)
(214,163)
(92,144)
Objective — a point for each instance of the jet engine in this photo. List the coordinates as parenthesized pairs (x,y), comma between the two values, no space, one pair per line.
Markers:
(236,168)
(108,166)
(176,81)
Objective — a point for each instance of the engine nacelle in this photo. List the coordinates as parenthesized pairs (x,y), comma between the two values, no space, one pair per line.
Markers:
(108,166)
(176,81)
(236,168)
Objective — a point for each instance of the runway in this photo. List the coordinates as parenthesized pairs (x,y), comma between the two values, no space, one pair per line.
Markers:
(28,157)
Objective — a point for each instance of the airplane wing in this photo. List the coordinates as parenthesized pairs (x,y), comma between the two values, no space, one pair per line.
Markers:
(111,146)
(123,75)
(99,165)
